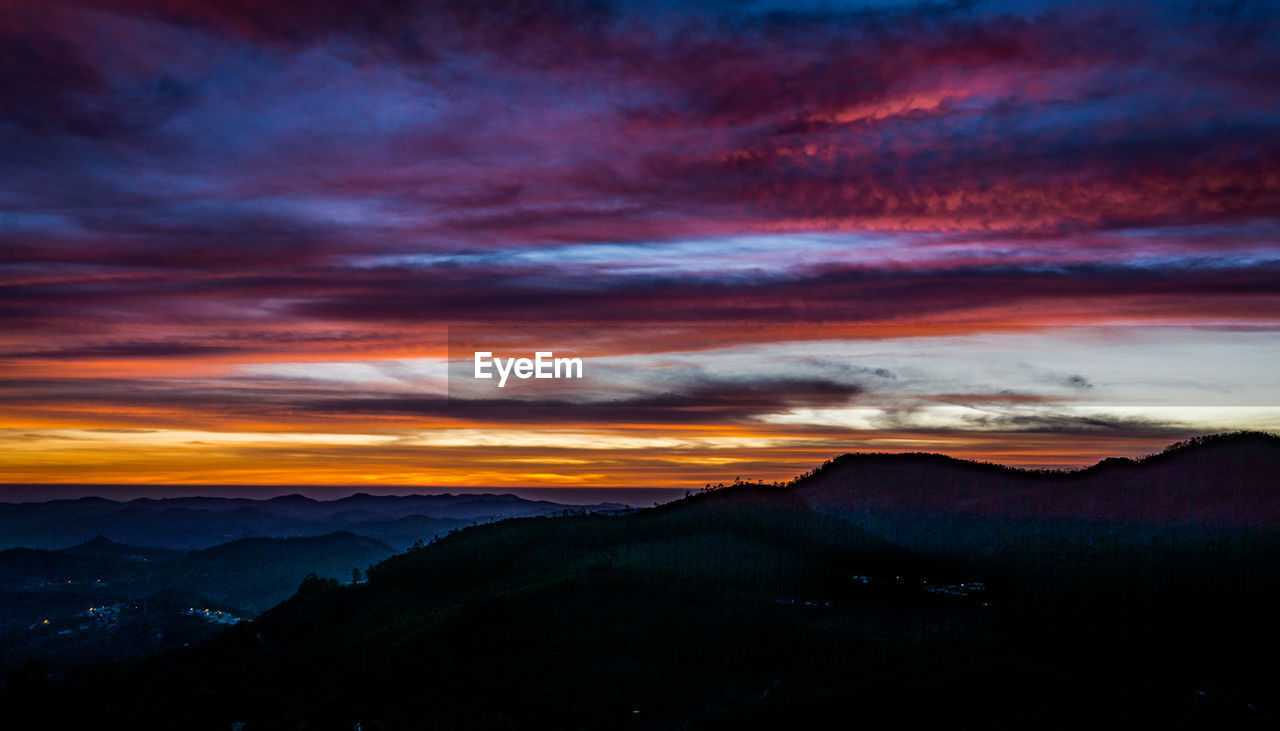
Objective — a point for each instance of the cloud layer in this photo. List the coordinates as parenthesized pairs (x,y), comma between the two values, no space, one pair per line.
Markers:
(200,201)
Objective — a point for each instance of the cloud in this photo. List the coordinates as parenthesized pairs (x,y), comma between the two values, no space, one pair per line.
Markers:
(1077,381)
(830,295)
(101,351)
(188,187)
(527,122)
(697,400)
(702,401)
(359,303)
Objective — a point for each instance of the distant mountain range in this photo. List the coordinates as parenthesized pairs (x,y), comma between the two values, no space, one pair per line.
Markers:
(186,523)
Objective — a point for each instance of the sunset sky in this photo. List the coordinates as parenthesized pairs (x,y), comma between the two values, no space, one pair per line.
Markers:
(236,237)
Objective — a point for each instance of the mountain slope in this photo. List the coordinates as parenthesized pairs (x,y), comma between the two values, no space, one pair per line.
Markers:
(1229,480)
(750,607)
(645,621)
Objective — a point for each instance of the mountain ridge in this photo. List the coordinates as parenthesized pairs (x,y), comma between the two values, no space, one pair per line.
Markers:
(1224,479)
(188,523)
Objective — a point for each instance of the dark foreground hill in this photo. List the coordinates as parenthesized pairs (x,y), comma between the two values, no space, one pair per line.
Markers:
(741,608)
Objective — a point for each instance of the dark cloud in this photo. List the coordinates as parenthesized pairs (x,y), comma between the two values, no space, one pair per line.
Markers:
(590,121)
(1077,381)
(828,294)
(702,401)
(98,351)
(1048,421)
(415,296)
(41,70)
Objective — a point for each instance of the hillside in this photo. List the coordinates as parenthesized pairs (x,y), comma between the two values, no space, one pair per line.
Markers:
(631,621)
(756,607)
(1228,480)
(104,600)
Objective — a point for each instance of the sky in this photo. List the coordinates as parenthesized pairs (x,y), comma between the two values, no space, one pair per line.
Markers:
(254,243)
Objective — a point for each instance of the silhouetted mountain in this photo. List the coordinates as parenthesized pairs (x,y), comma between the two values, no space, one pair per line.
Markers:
(256,573)
(94,562)
(102,547)
(1227,480)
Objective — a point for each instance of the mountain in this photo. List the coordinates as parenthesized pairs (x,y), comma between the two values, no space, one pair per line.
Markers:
(252,573)
(93,562)
(907,591)
(102,600)
(565,622)
(186,523)
(104,548)
(257,573)
(1227,480)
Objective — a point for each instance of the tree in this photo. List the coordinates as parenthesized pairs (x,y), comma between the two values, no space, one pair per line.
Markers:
(313,584)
